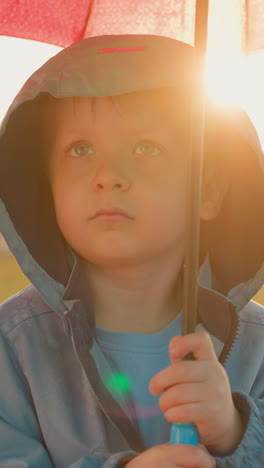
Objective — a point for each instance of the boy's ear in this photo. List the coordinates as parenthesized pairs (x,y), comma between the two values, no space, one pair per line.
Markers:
(215,183)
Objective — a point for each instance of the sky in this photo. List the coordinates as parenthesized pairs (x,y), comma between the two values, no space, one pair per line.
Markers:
(230,78)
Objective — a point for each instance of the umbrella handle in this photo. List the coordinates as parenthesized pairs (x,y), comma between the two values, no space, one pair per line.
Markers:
(184,433)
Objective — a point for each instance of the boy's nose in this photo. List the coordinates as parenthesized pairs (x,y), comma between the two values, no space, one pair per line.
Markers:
(109,179)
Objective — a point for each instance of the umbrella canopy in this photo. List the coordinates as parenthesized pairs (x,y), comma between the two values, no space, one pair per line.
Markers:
(62,22)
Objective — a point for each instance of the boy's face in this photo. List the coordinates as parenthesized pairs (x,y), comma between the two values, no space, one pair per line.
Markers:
(131,161)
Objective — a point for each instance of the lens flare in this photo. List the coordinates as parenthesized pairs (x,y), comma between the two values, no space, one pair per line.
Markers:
(118,384)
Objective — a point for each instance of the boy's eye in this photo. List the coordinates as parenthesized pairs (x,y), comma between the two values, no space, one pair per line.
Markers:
(80,149)
(145,147)
(148,148)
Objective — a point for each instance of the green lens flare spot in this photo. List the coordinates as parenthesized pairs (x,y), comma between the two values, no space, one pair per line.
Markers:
(117,384)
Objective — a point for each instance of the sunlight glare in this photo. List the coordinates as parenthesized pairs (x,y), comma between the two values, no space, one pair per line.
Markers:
(224,77)
(233,79)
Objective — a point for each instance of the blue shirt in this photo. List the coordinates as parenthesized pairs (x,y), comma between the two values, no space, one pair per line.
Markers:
(138,357)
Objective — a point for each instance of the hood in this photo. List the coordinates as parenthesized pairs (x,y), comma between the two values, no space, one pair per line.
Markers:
(106,66)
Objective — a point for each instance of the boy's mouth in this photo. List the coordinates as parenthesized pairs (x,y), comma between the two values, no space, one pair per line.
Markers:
(110,213)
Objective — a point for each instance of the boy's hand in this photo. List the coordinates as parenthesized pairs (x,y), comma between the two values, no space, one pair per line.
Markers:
(199,392)
(173,456)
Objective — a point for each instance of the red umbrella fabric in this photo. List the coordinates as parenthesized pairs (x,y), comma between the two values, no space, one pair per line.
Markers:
(62,22)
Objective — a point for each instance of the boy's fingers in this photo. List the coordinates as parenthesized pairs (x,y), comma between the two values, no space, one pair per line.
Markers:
(191,456)
(179,373)
(180,395)
(195,412)
(198,343)
(173,456)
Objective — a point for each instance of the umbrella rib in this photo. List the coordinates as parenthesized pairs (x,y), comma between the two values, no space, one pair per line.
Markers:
(89,13)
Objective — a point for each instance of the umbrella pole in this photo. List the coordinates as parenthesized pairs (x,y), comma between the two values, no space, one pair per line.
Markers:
(186,433)
(191,263)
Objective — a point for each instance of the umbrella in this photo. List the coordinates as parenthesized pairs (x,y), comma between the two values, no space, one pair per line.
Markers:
(62,22)
(202,23)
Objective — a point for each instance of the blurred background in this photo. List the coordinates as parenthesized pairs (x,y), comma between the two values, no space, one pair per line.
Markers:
(12,279)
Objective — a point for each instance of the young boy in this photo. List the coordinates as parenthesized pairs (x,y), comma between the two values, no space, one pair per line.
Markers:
(94,154)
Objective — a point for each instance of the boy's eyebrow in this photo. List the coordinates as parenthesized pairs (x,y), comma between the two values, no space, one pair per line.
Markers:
(110,50)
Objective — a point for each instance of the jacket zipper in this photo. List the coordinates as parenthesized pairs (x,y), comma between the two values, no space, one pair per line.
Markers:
(233,334)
